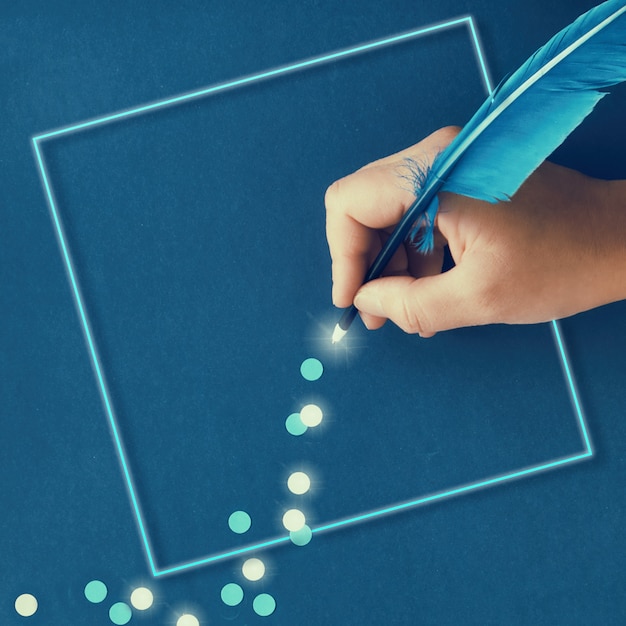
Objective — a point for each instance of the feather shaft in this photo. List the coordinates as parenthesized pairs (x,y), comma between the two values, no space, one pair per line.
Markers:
(559,84)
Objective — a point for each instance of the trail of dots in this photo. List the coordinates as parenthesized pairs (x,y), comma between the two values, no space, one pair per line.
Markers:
(239,522)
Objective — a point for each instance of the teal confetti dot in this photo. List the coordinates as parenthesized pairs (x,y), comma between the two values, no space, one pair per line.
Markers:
(295,426)
(232,594)
(239,522)
(301,537)
(264,604)
(95,591)
(311,369)
(120,613)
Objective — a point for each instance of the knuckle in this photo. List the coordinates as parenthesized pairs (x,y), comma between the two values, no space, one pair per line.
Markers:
(332,197)
(488,295)
(443,136)
(411,317)
(449,132)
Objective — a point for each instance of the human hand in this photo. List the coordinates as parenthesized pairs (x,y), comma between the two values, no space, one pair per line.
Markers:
(557,248)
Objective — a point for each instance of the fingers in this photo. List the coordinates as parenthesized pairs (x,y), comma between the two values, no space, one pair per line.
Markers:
(357,206)
(371,199)
(419,265)
(424,305)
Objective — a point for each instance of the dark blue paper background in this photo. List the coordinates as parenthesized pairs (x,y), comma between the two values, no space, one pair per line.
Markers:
(545,550)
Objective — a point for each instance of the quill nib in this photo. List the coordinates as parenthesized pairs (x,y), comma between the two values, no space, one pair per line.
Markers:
(338,334)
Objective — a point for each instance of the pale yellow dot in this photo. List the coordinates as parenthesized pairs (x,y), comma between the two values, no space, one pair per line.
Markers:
(141,598)
(253,569)
(293,520)
(188,620)
(299,483)
(311,415)
(26,605)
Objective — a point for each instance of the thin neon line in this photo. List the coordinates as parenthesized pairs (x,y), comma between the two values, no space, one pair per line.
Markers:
(572,386)
(451,492)
(253,78)
(220,557)
(76,292)
(94,357)
(379,512)
(479,54)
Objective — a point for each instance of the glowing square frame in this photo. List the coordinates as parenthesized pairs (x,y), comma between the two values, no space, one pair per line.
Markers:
(465,21)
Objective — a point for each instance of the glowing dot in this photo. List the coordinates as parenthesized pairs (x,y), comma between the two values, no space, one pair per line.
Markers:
(299,483)
(301,537)
(253,569)
(295,426)
(26,605)
(311,369)
(95,591)
(120,613)
(239,522)
(294,520)
(232,594)
(264,604)
(311,415)
(187,620)
(141,598)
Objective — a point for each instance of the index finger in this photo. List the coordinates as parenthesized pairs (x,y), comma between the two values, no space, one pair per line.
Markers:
(373,198)
(356,207)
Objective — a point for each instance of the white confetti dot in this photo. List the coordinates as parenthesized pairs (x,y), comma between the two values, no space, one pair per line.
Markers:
(253,569)
(188,620)
(311,415)
(293,520)
(298,483)
(141,598)
(26,605)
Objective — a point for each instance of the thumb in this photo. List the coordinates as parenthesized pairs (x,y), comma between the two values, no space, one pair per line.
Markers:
(422,305)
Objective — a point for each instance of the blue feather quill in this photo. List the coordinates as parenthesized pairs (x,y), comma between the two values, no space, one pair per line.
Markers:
(526,118)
